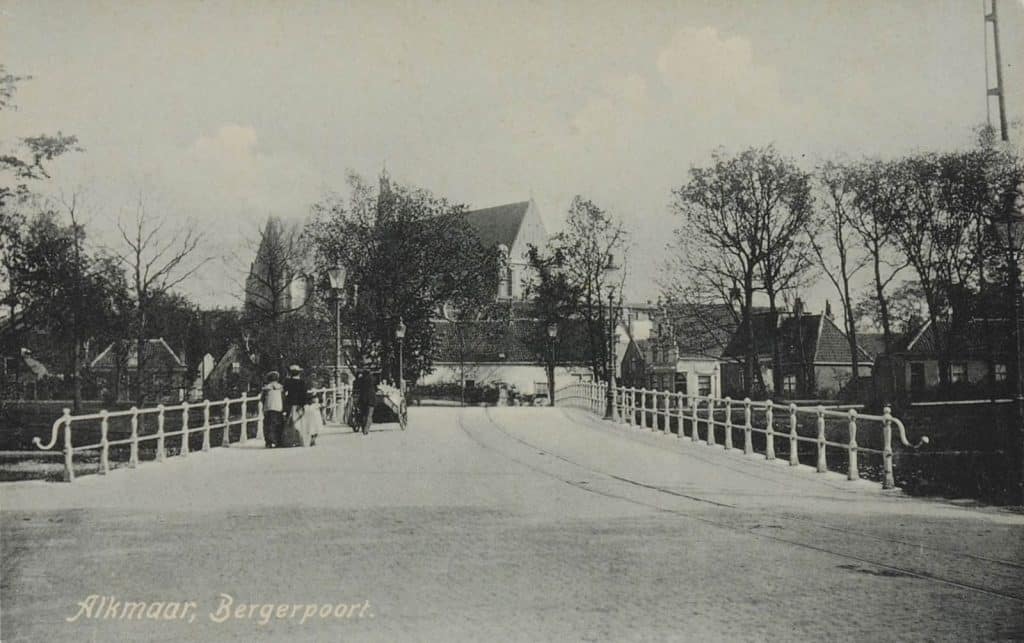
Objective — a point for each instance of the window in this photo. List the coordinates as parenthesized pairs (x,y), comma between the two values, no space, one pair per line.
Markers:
(680,384)
(704,385)
(469,384)
(957,373)
(1000,372)
(236,367)
(789,385)
(916,376)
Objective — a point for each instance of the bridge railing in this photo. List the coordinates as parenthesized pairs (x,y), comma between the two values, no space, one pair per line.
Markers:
(184,423)
(725,421)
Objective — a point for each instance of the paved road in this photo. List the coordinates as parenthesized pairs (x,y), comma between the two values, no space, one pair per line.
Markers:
(500,524)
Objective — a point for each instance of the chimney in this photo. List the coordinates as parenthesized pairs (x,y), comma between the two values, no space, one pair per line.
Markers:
(828,309)
(798,307)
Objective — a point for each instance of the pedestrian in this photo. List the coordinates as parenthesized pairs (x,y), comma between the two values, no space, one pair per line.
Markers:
(273,410)
(296,397)
(366,396)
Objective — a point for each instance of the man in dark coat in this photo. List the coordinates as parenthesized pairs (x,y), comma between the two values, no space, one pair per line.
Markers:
(366,398)
(296,392)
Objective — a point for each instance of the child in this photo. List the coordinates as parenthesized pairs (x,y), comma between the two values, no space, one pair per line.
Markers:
(273,410)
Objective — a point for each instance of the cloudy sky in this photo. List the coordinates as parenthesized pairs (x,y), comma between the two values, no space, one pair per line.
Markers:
(223,113)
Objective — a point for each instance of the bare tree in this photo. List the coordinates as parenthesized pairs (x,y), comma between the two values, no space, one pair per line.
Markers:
(840,260)
(742,219)
(157,259)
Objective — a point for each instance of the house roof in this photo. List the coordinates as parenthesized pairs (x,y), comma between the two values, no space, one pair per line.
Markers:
(155,352)
(499,224)
(971,340)
(804,339)
(872,343)
(700,329)
(518,340)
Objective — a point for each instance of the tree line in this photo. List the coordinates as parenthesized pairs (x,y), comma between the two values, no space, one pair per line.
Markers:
(925,232)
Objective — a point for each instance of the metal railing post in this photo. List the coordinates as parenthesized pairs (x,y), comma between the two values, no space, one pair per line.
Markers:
(889,482)
(104,443)
(695,435)
(184,429)
(133,448)
(259,418)
(206,425)
(69,453)
(769,416)
(822,457)
(711,421)
(160,450)
(748,443)
(794,455)
(225,440)
(728,424)
(643,407)
(853,472)
(680,414)
(244,435)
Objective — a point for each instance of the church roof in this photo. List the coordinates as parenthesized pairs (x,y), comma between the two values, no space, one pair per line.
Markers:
(499,224)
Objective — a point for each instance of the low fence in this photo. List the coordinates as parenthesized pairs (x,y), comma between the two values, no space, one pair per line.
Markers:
(181,424)
(717,421)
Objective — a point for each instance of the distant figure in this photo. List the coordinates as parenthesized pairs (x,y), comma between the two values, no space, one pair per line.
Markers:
(513,396)
(273,410)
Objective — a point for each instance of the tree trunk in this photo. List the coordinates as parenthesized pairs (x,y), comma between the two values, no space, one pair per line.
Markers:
(748,320)
(773,314)
(883,310)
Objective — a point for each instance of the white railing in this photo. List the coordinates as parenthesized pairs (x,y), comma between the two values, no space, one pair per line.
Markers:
(659,410)
(212,415)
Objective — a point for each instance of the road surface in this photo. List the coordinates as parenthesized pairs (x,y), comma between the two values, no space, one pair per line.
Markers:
(511,524)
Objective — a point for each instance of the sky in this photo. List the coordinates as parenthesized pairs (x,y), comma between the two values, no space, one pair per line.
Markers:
(219,114)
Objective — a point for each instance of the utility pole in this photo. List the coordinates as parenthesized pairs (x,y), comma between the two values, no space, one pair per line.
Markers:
(999,90)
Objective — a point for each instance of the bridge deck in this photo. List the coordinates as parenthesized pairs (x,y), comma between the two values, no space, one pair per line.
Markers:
(506,524)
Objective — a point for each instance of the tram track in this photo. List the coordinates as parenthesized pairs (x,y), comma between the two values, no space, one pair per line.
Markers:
(825,525)
(890,568)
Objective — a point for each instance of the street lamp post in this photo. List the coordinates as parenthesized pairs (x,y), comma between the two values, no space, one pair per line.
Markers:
(610,410)
(552,336)
(337,277)
(400,335)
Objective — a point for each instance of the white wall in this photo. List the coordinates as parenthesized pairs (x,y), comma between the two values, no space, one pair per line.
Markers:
(531,231)
(526,377)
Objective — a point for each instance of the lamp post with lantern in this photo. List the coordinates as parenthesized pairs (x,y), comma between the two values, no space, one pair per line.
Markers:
(337,277)
(552,336)
(400,336)
(609,270)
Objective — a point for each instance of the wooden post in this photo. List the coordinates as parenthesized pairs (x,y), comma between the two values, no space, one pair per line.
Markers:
(853,473)
(822,457)
(890,480)
(184,428)
(160,450)
(748,443)
(225,440)
(206,425)
(728,424)
(769,416)
(133,453)
(69,453)
(104,444)
(794,455)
